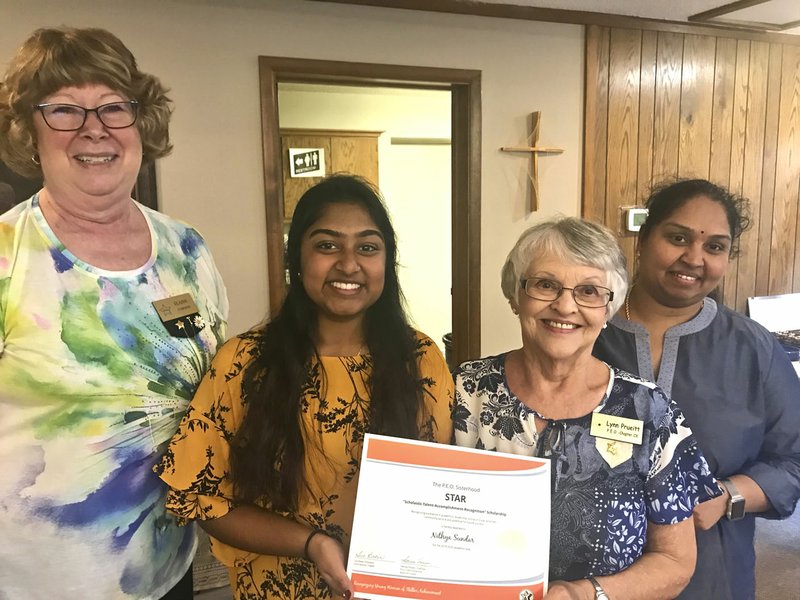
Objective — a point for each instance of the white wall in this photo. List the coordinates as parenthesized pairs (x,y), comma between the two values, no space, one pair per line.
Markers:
(415,179)
(208,54)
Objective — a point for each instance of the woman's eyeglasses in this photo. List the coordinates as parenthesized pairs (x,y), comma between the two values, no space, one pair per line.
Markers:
(588,295)
(70,117)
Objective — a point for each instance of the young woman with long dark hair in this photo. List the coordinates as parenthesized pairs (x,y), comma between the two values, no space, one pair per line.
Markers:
(267,458)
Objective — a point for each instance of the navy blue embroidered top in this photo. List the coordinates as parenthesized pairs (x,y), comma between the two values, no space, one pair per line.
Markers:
(599,512)
(739,391)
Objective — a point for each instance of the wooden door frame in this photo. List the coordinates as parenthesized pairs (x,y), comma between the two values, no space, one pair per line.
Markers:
(465,88)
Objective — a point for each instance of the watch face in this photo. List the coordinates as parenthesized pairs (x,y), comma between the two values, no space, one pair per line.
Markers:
(736,509)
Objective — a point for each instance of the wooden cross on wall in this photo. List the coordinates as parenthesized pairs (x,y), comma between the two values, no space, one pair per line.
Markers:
(535,151)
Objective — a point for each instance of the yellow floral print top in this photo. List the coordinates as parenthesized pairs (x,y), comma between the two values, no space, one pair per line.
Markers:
(196,465)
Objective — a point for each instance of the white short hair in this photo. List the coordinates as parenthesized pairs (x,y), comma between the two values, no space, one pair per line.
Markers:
(574,240)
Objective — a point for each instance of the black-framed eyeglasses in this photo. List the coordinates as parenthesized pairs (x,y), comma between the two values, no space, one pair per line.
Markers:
(71,117)
(588,295)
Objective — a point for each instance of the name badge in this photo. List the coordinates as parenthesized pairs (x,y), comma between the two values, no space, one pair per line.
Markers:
(180,315)
(617,428)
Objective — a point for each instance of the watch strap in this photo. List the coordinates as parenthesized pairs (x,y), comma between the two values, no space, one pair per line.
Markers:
(735,507)
(599,592)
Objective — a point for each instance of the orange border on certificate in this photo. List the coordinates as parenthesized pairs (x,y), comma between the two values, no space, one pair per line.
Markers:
(446,457)
(426,590)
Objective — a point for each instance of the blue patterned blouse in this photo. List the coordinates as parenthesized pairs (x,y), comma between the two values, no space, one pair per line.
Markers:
(599,512)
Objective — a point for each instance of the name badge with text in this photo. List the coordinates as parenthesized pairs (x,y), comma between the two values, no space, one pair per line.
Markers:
(617,428)
(180,315)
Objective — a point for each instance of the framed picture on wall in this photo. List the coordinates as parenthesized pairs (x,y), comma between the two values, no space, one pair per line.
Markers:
(15,188)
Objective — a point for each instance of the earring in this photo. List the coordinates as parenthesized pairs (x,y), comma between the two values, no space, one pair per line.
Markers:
(35,159)
(605,325)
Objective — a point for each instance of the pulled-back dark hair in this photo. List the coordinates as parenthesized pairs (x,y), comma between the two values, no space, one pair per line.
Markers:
(667,197)
(267,454)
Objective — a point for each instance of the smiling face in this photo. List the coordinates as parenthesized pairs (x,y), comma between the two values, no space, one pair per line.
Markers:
(94,163)
(684,257)
(343,262)
(560,329)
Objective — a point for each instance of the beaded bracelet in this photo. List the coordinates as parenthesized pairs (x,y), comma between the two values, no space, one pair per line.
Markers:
(314,532)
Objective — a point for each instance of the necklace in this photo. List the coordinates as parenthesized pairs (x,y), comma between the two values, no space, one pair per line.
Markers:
(628,304)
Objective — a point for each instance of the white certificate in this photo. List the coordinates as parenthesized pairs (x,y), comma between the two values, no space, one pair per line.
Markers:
(437,521)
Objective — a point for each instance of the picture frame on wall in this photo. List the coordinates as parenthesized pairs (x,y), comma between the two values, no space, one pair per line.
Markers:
(15,188)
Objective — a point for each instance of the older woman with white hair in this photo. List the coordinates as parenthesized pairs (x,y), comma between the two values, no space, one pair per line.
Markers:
(621,522)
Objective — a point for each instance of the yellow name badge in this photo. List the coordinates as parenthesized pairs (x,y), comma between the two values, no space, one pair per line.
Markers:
(175,307)
(621,429)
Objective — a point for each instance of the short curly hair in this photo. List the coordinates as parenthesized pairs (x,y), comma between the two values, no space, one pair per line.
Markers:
(573,240)
(54,58)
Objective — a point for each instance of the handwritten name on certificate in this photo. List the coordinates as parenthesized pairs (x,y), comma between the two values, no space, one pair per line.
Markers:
(442,522)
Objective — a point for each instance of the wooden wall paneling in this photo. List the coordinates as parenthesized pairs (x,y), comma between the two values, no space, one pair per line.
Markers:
(794,53)
(697,101)
(784,223)
(767,192)
(753,168)
(623,126)
(719,167)
(647,108)
(738,136)
(722,120)
(596,123)
(666,126)
(727,109)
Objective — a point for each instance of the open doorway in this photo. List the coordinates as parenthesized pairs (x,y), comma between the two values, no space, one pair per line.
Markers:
(399,140)
(464,89)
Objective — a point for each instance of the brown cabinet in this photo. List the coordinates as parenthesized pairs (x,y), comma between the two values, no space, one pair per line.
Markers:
(353,152)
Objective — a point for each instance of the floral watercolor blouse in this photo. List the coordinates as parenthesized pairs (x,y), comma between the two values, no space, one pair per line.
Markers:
(599,512)
(93,384)
(197,468)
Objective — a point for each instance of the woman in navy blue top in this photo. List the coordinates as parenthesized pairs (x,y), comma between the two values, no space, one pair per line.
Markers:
(729,375)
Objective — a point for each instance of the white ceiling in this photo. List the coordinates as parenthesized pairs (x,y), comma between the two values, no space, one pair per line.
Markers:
(771,11)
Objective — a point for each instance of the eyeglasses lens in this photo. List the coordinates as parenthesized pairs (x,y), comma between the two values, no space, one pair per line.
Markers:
(591,296)
(68,117)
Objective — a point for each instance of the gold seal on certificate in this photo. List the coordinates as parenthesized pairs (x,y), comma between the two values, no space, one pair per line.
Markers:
(436,521)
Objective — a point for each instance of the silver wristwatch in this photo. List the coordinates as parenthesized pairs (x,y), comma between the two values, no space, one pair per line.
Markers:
(599,592)
(735,509)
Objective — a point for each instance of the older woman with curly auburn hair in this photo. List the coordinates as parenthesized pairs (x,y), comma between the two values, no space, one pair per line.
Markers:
(109,315)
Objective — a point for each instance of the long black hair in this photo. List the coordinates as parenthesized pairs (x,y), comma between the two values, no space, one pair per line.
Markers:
(267,453)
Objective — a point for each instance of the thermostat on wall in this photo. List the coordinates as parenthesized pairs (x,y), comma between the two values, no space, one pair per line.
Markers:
(635,219)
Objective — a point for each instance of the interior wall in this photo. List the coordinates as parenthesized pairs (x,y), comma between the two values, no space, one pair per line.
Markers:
(663,105)
(414,179)
(207,53)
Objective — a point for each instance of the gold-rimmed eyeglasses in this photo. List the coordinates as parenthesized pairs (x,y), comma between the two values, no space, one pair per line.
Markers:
(71,117)
(588,295)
